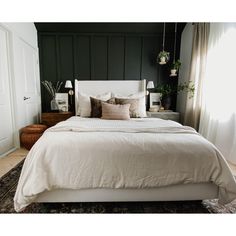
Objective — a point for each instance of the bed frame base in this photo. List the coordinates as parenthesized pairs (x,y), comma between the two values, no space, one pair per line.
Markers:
(170,193)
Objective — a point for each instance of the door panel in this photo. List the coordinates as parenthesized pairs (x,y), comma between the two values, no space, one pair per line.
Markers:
(27,83)
(6,116)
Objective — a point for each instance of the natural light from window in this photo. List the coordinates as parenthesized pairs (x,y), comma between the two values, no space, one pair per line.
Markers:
(219,88)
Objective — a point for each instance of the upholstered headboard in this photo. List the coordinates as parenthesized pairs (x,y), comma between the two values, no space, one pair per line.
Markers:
(121,87)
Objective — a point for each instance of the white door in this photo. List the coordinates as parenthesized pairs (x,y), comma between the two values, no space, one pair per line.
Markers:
(6,111)
(27,85)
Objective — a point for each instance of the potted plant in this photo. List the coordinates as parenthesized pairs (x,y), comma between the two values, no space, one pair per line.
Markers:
(163,57)
(167,91)
(175,67)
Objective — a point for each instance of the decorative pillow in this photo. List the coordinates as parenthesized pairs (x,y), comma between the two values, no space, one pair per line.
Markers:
(115,112)
(84,105)
(141,104)
(96,106)
(134,106)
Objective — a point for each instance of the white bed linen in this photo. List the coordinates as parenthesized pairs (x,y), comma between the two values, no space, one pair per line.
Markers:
(86,153)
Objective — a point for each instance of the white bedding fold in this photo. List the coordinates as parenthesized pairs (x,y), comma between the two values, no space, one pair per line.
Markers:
(141,153)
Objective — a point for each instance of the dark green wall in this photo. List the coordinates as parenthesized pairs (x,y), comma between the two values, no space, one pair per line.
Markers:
(67,52)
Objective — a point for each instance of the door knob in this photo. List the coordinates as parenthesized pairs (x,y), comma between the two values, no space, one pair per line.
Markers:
(25,98)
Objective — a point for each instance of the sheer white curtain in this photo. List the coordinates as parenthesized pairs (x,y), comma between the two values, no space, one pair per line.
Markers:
(218,114)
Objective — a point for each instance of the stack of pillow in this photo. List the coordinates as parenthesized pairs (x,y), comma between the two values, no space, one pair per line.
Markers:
(112,106)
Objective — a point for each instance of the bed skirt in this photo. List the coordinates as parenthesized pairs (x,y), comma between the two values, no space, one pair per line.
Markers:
(170,193)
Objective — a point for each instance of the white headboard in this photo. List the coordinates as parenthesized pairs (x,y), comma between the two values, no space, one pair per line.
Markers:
(121,87)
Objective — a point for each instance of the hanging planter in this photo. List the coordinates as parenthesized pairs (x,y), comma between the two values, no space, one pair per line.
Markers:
(175,64)
(175,68)
(163,56)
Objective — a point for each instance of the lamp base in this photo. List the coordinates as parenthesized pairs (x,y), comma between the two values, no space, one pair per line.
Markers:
(154,109)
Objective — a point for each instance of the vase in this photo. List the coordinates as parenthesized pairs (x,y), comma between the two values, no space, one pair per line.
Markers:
(54,105)
(166,102)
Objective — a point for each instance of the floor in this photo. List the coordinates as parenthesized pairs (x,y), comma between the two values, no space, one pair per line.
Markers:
(12,159)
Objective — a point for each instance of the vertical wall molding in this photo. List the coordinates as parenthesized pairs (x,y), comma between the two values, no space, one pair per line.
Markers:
(124,56)
(108,49)
(74,48)
(141,62)
(58,57)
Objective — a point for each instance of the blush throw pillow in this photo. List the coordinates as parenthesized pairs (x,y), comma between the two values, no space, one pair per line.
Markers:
(115,112)
(134,106)
(84,105)
(96,106)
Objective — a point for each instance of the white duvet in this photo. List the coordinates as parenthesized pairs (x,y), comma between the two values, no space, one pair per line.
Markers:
(85,153)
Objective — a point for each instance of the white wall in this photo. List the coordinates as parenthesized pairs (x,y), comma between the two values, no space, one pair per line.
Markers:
(25,80)
(26,31)
(185,58)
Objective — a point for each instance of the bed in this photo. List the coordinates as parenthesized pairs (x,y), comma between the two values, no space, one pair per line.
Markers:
(142,159)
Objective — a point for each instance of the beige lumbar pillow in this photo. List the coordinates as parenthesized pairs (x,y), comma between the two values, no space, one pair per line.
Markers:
(115,112)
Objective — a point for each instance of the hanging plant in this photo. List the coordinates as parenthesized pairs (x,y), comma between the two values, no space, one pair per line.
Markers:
(175,67)
(163,57)
(175,64)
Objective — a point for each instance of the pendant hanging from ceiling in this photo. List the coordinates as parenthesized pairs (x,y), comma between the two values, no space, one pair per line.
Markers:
(175,64)
(163,56)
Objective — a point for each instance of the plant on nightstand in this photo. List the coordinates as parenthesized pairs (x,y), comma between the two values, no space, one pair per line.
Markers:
(52,92)
(167,91)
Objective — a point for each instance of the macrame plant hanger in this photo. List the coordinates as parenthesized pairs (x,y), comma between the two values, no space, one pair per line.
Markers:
(173,71)
(163,56)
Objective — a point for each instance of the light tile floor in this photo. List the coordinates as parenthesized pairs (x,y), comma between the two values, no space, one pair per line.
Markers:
(12,159)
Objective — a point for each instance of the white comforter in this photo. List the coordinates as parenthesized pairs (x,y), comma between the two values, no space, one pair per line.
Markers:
(85,153)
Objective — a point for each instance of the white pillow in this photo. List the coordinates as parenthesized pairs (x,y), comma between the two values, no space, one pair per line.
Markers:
(84,105)
(141,104)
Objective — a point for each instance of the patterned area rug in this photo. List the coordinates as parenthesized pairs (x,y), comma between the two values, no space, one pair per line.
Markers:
(9,182)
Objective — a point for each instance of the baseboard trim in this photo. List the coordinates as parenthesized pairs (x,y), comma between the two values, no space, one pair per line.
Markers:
(8,152)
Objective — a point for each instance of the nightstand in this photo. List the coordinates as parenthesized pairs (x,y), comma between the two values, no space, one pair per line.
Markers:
(165,115)
(52,118)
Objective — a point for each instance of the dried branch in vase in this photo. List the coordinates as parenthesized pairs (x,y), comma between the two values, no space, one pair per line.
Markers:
(51,89)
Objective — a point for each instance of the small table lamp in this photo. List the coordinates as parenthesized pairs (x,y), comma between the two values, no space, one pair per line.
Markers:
(150,85)
(71,92)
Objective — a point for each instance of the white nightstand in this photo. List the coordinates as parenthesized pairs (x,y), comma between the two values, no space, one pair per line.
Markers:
(165,115)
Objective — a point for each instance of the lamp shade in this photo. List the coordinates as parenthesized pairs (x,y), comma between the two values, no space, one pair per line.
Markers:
(68,84)
(150,85)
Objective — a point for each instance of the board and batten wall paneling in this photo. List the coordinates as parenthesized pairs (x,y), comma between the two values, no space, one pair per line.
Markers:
(133,57)
(102,56)
(99,49)
(150,68)
(66,57)
(48,66)
(48,58)
(116,58)
(83,57)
